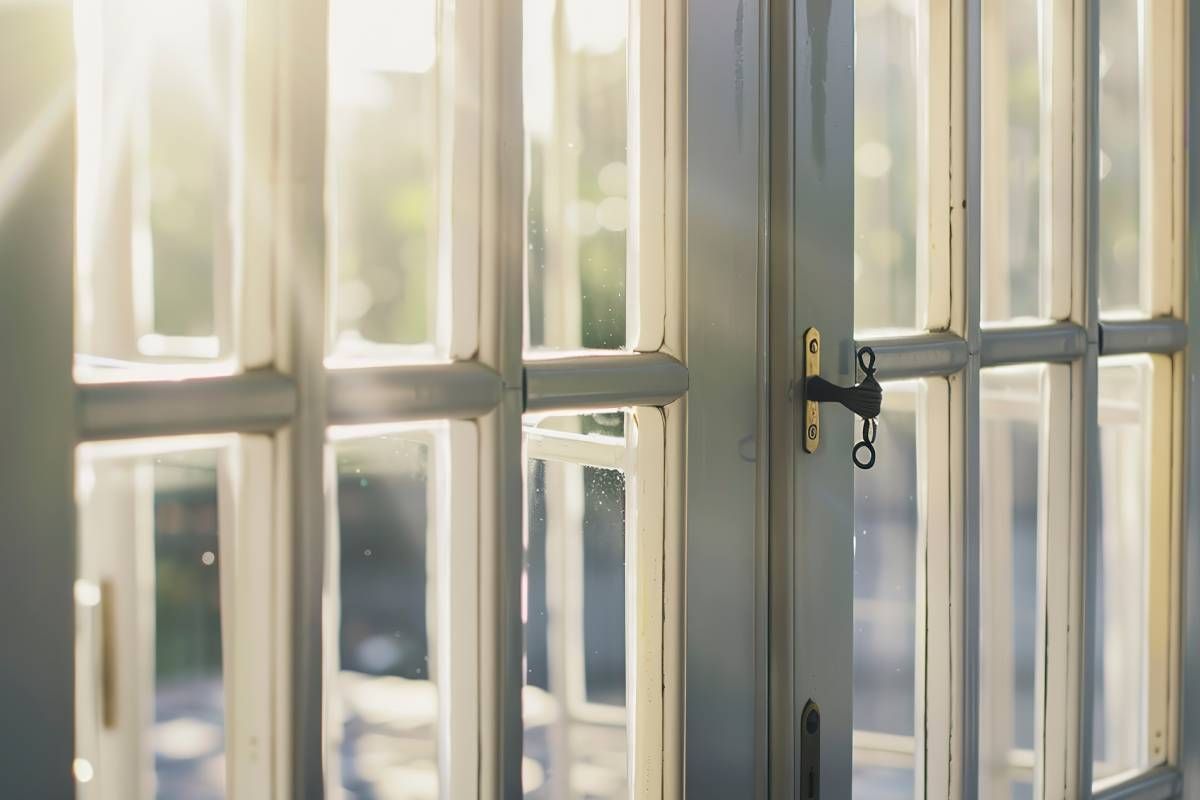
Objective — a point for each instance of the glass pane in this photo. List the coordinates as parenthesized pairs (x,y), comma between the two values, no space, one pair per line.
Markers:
(383,185)
(887,136)
(576,97)
(157,96)
(383,700)
(887,517)
(148,611)
(574,613)
(882,783)
(1009,460)
(1121,655)
(1120,155)
(1011,168)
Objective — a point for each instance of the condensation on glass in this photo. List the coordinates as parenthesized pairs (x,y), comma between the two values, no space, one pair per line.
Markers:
(1119,233)
(890,254)
(1120,659)
(887,518)
(386,178)
(383,693)
(1011,519)
(576,112)
(159,179)
(574,612)
(149,677)
(1015,272)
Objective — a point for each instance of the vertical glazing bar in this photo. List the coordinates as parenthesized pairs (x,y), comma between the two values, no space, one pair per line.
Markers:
(460,79)
(644,550)
(967,747)
(1085,469)
(936,129)
(1057,567)
(457,565)
(501,475)
(722,661)
(936,695)
(646,262)
(37,405)
(249,606)
(1062,182)
(1189,710)
(299,256)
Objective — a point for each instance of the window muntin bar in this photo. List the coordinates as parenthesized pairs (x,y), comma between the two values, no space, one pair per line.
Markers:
(1064,341)
(1159,335)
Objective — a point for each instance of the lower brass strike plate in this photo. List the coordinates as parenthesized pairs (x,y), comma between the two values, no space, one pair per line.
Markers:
(812,413)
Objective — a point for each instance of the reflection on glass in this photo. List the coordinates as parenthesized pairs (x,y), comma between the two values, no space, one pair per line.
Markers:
(575,99)
(574,611)
(887,131)
(1010,410)
(1119,732)
(882,783)
(383,183)
(383,701)
(148,610)
(886,522)
(1119,230)
(157,180)
(1011,167)
(597,423)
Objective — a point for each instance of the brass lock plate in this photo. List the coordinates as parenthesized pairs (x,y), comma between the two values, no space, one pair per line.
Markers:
(812,412)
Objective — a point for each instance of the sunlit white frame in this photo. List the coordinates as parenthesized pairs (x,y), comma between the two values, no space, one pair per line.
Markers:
(112,264)
(298,393)
(1075,335)
(115,686)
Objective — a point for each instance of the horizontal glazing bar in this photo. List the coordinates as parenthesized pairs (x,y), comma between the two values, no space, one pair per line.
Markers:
(411,391)
(919,355)
(250,402)
(1160,335)
(1062,341)
(607,452)
(609,381)
(1164,783)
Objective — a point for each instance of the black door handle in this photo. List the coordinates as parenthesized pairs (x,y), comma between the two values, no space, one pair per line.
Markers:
(864,399)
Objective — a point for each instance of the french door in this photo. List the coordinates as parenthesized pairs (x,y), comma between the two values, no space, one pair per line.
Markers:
(359,472)
(991,196)
(406,399)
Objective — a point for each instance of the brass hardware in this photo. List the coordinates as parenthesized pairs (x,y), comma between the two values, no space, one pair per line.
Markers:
(108,655)
(863,399)
(812,411)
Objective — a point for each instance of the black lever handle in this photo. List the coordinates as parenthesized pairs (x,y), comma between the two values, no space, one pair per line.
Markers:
(864,399)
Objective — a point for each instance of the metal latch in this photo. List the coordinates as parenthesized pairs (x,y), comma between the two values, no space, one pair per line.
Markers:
(864,399)
(810,752)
